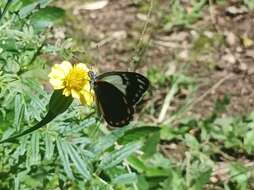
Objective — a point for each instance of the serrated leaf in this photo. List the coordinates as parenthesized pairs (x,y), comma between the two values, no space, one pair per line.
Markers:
(35,149)
(34,85)
(142,183)
(157,172)
(248,141)
(82,125)
(58,104)
(21,149)
(192,142)
(97,184)
(202,180)
(64,157)
(136,163)
(18,111)
(28,9)
(117,156)
(9,45)
(9,99)
(239,172)
(37,101)
(125,179)
(137,134)
(151,143)
(80,164)
(49,146)
(174,182)
(81,140)
(249,3)
(107,141)
(31,182)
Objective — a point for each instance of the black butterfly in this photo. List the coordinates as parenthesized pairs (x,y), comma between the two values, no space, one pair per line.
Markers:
(117,93)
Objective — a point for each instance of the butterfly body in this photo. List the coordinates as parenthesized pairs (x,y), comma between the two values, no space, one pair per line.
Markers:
(117,93)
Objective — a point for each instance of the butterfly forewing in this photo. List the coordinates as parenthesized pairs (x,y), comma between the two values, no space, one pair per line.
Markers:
(131,84)
(113,104)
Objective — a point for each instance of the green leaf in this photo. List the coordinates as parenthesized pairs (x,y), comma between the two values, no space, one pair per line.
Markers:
(19,111)
(170,132)
(37,101)
(82,125)
(80,164)
(9,99)
(158,160)
(31,182)
(28,9)
(125,179)
(12,67)
(112,159)
(47,17)
(249,3)
(58,104)
(49,146)
(142,183)
(249,141)
(239,173)
(35,149)
(137,133)
(192,142)
(9,45)
(136,163)
(151,143)
(202,180)
(174,182)
(157,172)
(64,157)
(107,141)
(98,184)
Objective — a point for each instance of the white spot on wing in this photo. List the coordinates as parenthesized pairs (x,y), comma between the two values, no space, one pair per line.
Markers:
(117,81)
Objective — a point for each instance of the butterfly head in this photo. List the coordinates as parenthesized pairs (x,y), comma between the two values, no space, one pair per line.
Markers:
(92,75)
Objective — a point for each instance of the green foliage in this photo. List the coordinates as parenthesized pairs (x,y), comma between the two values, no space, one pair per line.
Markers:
(180,17)
(46,17)
(249,3)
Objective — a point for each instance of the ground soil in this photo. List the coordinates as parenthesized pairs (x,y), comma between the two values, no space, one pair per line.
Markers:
(217,51)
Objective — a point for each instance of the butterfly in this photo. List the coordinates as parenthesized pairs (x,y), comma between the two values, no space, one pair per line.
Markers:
(117,93)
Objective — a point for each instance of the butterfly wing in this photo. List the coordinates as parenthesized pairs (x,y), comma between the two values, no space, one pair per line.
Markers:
(132,85)
(112,104)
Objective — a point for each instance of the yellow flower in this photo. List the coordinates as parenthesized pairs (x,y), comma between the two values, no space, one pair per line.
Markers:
(74,80)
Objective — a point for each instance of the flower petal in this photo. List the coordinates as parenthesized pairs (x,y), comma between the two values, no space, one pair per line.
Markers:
(87,97)
(56,73)
(57,84)
(74,80)
(66,66)
(82,66)
(87,87)
(75,94)
(66,92)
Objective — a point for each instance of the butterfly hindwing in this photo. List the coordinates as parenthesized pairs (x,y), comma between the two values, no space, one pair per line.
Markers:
(132,85)
(112,104)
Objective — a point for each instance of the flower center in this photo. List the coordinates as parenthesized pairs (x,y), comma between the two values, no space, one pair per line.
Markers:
(76,79)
